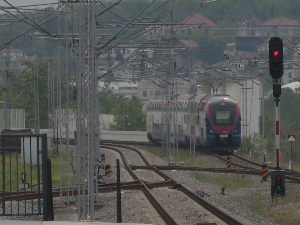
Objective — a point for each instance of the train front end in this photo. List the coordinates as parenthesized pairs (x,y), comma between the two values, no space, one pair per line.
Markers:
(223,124)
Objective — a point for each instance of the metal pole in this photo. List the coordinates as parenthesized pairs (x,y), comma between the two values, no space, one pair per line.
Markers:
(291,153)
(119,209)
(277,138)
(123,113)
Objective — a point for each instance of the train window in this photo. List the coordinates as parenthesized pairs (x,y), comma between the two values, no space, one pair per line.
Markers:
(202,106)
(192,130)
(223,118)
(206,122)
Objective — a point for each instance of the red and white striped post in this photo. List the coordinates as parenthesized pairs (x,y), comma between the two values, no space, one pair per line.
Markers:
(277,133)
(277,93)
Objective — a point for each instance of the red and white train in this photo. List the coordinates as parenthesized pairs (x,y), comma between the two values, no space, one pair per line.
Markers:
(213,121)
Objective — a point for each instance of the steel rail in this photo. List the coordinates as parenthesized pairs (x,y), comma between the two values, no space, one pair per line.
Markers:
(165,215)
(214,210)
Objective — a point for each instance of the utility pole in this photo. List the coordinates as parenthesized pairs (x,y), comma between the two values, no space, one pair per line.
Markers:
(36,99)
(87,117)
(65,28)
(6,101)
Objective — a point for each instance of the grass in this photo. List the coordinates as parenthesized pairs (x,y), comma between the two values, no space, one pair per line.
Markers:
(183,156)
(61,176)
(14,167)
(282,210)
(229,181)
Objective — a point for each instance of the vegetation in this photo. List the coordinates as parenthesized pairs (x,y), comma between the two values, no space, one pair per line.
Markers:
(289,124)
(128,115)
(282,210)
(226,13)
(21,92)
(229,181)
(15,163)
(107,100)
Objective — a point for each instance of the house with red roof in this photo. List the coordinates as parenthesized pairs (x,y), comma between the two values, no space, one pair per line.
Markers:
(189,43)
(15,57)
(282,27)
(196,20)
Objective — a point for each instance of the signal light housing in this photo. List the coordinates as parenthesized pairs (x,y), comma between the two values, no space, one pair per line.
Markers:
(276,57)
(277,183)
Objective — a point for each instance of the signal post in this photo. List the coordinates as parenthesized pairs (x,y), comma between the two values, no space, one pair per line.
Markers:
(276,72)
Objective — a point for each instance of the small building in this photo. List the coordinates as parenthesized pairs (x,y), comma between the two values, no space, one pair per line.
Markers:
(15,57)
(197,20)
(280,27)
(128,89)
(147,90)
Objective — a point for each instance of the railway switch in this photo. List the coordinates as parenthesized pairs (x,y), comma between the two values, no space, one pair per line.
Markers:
(228,162)
(24,185)
(264,172)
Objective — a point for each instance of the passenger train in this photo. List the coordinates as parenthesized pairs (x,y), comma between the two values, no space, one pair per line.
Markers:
(212,121)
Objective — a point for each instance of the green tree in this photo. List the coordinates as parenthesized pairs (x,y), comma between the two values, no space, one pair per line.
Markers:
(289,121)
(107,99)
(130,113)
(21,92)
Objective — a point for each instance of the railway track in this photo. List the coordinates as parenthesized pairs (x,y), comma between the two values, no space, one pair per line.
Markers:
(166,183)
(174,185)
(137,184)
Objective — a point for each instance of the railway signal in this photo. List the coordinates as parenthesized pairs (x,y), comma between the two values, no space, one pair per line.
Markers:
(277,183)
(276,57)
(276,72)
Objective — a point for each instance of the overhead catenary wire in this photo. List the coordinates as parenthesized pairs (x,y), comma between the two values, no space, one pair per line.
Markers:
(116,35)
(20,35)
(35,25)
(127,27)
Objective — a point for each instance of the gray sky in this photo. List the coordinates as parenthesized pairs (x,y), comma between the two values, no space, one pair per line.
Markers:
(26,2)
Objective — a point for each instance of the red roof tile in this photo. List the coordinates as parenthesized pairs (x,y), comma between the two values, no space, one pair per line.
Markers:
(247,55)
(296,72)
(283,21)
(265,44)
(198,19)
(189,43)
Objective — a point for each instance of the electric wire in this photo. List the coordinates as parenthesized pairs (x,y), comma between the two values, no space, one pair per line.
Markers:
(35,25)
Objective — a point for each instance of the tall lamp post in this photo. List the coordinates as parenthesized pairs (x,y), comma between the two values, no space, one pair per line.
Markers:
(124,97)
(123,113)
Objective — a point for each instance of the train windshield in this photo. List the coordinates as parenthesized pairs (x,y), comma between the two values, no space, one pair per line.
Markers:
(223,118)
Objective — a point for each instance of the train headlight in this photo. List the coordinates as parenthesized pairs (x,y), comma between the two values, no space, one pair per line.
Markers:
(234,131)
(212,131)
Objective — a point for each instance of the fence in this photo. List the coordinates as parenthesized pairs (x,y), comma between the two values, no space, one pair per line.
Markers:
(26,175)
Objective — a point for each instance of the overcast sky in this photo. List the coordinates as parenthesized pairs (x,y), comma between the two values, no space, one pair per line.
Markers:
(26,2)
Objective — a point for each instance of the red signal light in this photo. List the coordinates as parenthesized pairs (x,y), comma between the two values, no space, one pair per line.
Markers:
(278,178)
(276,53)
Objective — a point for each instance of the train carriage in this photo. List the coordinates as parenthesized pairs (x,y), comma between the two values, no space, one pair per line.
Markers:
(212,121)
